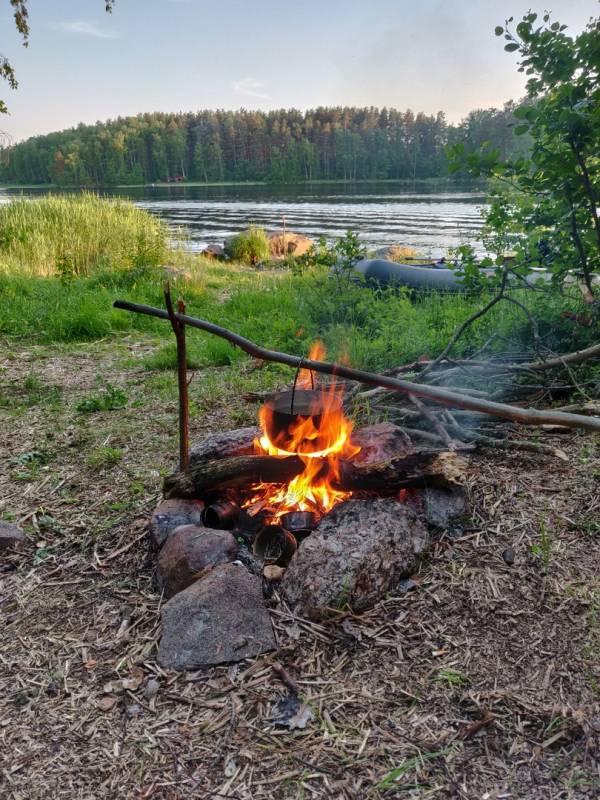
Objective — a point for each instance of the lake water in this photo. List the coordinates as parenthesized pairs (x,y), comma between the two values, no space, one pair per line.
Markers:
(431,220)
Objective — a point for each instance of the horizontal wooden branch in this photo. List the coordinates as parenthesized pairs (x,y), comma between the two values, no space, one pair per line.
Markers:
(526,416)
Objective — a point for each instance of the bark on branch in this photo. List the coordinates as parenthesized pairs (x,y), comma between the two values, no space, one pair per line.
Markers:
(526,416)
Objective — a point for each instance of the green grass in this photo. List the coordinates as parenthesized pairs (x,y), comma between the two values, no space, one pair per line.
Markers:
(118,251)
(414,763)
(70,236)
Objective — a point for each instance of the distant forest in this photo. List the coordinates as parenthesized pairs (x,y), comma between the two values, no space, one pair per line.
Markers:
(277,146)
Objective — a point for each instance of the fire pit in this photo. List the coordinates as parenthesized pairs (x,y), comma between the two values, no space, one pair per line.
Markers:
(304,510)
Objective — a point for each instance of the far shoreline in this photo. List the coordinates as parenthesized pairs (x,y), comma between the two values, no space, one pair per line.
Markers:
(452,181)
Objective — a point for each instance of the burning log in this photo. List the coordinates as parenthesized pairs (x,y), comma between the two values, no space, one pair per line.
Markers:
(427,467)
(200,479)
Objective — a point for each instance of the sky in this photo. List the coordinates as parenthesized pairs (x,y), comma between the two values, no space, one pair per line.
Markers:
(83,65)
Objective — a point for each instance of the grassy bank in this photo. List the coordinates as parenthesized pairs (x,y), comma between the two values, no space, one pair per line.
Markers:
(64,260)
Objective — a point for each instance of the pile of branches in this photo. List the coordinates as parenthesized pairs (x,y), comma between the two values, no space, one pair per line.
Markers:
(499,377)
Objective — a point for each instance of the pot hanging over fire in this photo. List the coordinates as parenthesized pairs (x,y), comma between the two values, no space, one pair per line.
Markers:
(286,413)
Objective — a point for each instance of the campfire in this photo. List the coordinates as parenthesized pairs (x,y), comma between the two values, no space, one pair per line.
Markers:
(307,510)
(303,508)
(309,423)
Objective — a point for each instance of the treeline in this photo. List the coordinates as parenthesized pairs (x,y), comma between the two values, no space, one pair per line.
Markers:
(277,146)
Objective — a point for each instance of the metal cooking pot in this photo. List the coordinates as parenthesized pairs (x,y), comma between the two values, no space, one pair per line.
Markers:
(287,408)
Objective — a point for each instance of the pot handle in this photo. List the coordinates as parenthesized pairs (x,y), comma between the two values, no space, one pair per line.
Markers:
(312,383)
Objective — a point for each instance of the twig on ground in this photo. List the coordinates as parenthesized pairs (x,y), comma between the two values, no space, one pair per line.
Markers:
(285,677)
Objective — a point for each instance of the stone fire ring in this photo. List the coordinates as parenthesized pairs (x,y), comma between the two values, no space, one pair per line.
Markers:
(359,553)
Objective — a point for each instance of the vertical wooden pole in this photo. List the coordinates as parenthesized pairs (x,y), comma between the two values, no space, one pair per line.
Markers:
(182,381)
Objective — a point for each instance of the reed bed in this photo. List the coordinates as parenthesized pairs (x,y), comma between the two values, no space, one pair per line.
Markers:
(75,236)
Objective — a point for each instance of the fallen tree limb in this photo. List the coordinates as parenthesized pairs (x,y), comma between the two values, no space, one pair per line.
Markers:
(502,444)
(576,357)
(526,416)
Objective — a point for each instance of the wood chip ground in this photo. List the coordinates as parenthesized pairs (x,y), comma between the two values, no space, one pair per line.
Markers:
(483,682)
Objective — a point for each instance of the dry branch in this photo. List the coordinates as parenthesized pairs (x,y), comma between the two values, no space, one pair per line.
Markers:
(182,382)
(526,416)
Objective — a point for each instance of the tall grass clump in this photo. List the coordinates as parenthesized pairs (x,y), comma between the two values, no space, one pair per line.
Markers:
(74,236)
(250,246)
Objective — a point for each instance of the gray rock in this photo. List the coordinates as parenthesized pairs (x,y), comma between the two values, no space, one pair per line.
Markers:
(217,620)
(226,443)
(380,442)
(358,554)
(214,251)
(444,507)
(171,514)
(11,537)
(187,552)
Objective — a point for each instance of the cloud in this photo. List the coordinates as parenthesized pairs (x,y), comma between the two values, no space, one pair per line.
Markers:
(250,87)
(81,28)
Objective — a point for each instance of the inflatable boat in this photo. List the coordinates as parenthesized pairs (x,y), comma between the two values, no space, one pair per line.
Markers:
(434,276)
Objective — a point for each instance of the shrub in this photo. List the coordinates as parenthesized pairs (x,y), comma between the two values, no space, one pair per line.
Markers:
(250,246)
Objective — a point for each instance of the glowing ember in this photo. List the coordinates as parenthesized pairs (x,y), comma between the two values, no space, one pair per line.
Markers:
(320,436)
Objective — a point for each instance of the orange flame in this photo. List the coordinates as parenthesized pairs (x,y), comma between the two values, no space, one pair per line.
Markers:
(321,438)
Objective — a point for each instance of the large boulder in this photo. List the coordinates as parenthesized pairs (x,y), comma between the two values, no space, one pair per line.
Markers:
(172,514)
(289,244)
(218,619)
(224,443)
(187,552)
(380,442)
(358,554)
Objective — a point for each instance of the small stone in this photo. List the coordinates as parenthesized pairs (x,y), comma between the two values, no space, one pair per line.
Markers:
(509,556)
(133,710)
(358,554)
(214,251)
(11,537)
(188,551)
(272,572)
(218,620)
(445,506)
(151,688)
(407,585)
(171,514)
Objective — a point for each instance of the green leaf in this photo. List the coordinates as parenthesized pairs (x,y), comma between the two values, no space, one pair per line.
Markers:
(511,47)
(498,30)
(521,129)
